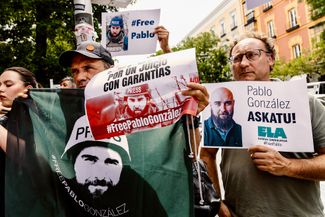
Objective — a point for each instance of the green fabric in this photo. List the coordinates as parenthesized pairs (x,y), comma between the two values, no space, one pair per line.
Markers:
(39,129)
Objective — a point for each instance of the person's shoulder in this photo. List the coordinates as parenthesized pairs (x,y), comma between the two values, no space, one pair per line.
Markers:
(208,122)
(314,102)
(237,124)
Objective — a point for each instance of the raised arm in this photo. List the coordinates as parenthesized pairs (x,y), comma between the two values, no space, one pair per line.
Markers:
(163,36)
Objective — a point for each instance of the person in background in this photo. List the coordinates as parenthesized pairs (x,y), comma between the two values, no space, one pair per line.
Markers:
(263,181)
(13,82)
(67,82)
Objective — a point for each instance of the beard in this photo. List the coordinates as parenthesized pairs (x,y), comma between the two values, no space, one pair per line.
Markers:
(97,188)
(137,112)
(223,123)
(116,38)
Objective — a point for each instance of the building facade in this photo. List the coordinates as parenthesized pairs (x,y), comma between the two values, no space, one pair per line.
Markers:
(288,22)
(225,21)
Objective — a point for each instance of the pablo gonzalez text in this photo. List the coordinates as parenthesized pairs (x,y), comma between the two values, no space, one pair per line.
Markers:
(145,121)
(144,33)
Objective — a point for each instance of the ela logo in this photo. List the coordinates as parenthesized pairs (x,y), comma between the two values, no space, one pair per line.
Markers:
(268,132)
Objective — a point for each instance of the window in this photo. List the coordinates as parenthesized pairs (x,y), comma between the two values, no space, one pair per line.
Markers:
(292,18)
(316,31)
(222,28)
(296,50)
(270,27)
(233,20)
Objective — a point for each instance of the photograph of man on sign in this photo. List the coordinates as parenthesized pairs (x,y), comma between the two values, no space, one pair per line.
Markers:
(138,102)
(220,129)
(117,38)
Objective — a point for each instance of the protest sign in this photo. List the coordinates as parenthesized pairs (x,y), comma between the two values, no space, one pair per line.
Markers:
(130,32)
(55,168)
(141,96)
(245,113)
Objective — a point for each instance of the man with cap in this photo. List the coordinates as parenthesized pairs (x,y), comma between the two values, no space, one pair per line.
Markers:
(91,58)
(117,39)
(104,179)
(138,102)
(86,61)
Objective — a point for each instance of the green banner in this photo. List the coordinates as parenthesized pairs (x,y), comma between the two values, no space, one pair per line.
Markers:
(55,168)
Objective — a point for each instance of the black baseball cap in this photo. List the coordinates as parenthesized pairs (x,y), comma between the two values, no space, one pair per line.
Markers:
(89,49)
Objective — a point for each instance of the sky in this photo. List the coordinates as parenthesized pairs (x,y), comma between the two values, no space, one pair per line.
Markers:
(178,16)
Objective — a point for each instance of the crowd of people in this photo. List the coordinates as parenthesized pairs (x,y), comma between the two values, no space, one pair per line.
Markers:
(259,181)
(86,61)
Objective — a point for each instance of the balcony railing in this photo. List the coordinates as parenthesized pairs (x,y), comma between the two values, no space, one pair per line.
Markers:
(266,8)
(250,18)
(291,28)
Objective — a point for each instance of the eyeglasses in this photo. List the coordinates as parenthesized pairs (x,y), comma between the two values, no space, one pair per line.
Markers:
(251,55)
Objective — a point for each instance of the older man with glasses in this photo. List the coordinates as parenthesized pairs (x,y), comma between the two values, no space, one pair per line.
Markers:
(263,181)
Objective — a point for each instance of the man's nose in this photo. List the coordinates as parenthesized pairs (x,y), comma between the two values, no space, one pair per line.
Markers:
(244,61)
(2,88)
(223,107)
(81,75)
(99,173)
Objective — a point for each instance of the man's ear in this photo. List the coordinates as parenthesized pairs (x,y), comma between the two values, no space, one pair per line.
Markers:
(271,59)
(29,86)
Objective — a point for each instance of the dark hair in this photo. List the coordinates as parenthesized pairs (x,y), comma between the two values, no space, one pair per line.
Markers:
(74,151)
(26,76)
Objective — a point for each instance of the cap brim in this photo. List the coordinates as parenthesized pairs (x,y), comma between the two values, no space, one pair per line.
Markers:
(67,56)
